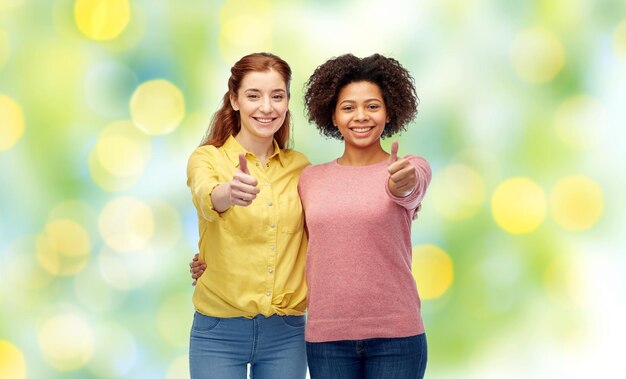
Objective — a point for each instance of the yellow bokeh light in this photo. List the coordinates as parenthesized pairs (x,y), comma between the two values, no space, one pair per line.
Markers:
(167,226)
(11,122)
(66,342)
(8,4)
(119,157)
(115,353)
(433,271)
(457,191)
(170,320)
(518,205)
(245,28)
(562,281)
(64,247)
(127,271)
(4,48)
(619,40)
(576,202)
(126,224)
(101,20)
(581,122)
(157,107)
(12,362)
(179,368)
(537,55)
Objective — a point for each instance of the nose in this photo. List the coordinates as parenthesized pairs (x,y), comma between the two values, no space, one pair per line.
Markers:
(361,114)
(266,105)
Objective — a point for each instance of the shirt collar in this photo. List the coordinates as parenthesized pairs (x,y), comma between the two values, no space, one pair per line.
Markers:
(233,148)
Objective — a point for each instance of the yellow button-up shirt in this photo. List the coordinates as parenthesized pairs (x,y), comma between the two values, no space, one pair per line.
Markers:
(255,255)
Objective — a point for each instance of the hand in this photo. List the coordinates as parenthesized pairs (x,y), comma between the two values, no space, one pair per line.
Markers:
(196,268)
(243,188)
(402,175)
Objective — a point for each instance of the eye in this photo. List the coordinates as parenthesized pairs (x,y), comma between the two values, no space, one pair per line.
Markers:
(373,106)
(252,96)
(347,108)
(278,97)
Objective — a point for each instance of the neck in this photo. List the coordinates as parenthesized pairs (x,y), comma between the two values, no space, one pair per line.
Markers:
(262,148)
(357,156)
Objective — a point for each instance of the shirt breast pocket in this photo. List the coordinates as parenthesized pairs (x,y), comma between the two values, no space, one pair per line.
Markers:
(291,215)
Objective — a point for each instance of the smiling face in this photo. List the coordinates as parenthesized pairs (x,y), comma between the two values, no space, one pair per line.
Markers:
(360,114)
(262,102)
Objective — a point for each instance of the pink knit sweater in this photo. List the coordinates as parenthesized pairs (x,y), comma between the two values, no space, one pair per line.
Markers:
(359,253)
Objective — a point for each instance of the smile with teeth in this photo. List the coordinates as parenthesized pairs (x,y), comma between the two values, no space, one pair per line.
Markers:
(264,120)
(362,129)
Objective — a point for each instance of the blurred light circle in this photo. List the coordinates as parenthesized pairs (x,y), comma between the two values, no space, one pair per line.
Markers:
(126,224)
(115,353)
(94,292)
(4,48)
(580,122)
(518,205)
(119,157)
(537,55)
(576,202)
(127,271)
(563,281)
(101,20)
(170,319)
(179,368)
(66,342)
(619,40)
(167,226)
(12,363)
(8,4)
(24,274)
(64,247)
(457,191)
(11,122)
(433,271)
(241,33)
(108,86)
(157,107)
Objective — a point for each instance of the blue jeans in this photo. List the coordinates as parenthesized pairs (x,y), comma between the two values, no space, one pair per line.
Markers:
(221,348)
(376,358)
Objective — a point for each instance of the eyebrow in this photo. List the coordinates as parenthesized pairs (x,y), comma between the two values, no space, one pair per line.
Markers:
(367,100)
(258,90)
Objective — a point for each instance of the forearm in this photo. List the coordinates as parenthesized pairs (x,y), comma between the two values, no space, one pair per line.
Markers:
(220,197)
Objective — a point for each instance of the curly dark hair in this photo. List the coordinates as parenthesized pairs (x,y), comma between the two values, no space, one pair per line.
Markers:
(395,82)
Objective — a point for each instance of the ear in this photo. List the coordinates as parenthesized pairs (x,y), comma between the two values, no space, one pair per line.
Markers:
(334,122)
(234,103)
(387,120)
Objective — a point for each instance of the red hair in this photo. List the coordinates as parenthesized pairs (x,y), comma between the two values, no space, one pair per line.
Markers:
(225,121)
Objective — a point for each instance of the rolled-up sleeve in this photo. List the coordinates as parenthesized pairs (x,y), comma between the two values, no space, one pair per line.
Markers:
(413,201)
(202,178)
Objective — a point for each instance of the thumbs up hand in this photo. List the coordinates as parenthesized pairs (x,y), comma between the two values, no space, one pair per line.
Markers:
(402,175)
(243,188)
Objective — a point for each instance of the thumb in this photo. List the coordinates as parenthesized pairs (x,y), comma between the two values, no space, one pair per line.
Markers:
(394,152)
(243,164)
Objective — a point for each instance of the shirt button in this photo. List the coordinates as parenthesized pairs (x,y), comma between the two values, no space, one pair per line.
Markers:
(268,293)
(270,270)
(269,204)
(272,247)
(267,183)
(258,164)
(272,226)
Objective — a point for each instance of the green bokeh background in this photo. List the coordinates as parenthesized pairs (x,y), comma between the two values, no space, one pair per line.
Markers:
(549,303)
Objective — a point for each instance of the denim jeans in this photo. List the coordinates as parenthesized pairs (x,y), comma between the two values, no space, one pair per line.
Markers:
(221,348)
(376,358)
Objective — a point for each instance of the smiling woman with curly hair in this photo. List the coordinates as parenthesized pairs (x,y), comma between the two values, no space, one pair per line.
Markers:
(394,81)
(364,313)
